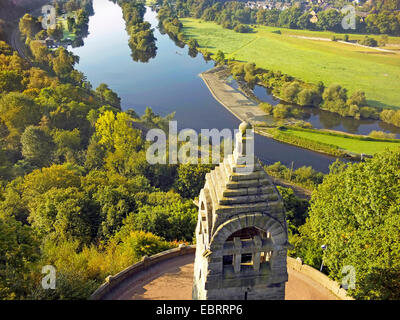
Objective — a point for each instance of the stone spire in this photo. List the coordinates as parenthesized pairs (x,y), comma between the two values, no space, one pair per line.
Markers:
(241,232)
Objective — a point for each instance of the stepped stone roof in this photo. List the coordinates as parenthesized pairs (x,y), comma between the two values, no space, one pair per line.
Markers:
(241,235)
(240,185)
(232,192)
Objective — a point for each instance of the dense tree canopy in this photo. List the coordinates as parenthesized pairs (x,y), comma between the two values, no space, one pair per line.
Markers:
(356,213)
(78,193)
(78,189)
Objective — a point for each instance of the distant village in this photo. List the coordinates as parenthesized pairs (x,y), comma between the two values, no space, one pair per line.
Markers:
(306,5)
(268,5)
(282,5)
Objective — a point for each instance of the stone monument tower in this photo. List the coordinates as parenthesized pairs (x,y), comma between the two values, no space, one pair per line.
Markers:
(241,233)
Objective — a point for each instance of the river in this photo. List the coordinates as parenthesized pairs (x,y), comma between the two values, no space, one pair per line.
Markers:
(168,83)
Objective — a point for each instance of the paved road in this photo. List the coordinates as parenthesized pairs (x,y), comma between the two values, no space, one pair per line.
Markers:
(298,191)
(17,45)
(172,280)
(16,37)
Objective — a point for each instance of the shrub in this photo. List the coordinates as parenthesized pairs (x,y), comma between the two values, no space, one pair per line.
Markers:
(297,113)
(242,28)
(387,115)
(5,48)
(358,99)
(303,124)
(382,135)
(266,107)
(353,111)
(237,69)
(137,244)
(309,97)
(368,41)
(290,91)
(282,111)
(181,36)
(383,40)
(220,57)
(369,113)
(391,116)
(305,177)
(250,79)
(335,98)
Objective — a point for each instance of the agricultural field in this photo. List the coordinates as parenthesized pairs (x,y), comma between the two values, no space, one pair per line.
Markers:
(375,72)
(347,143)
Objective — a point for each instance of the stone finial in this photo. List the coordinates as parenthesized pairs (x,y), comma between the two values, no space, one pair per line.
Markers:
(244,147)
(244,126)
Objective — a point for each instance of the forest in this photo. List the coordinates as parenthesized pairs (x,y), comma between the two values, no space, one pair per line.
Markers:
(76,186)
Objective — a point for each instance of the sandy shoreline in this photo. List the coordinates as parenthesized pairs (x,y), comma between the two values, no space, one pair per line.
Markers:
(236,102)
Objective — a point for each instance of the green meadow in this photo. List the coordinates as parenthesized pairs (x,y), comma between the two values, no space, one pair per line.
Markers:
(346,142)
(375,72)
(64,24)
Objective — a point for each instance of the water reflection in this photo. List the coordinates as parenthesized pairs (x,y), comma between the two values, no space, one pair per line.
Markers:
(143,55)
(192,52)
(322,119)
(168,82)
(264,95)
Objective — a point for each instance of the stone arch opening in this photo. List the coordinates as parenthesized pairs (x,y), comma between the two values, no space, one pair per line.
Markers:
(275,231)
(248,233)
(205,214)
(247,249)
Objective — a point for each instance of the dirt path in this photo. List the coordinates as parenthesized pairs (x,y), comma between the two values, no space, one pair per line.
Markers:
(350,43)
(298,191)
(245,45)
(172,280)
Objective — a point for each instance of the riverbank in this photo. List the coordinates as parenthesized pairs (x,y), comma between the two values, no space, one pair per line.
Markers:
(236,102)
(184,93)
(356,144)
(326,142)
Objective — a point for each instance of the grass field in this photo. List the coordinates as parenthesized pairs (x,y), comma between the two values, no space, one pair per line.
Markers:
(64,24)
(375,72)
(329,34)
(346,143)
